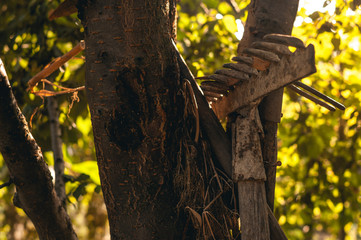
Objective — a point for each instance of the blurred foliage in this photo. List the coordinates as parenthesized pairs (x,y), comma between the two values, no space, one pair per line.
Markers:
(318,193)
(206,33)
(28,42)
(318,185)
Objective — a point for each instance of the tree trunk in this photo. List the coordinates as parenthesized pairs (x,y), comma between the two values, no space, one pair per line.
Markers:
(139,104)
(155,168)
(144,120)
(132,82)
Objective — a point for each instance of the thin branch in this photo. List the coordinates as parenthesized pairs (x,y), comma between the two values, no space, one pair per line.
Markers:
(8,183)
(55,64)
(56,145)
(61,87)
(47,93)
(64,9)
(234,6)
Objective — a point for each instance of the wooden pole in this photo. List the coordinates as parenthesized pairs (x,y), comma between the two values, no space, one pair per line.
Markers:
(249,173)
(265,17)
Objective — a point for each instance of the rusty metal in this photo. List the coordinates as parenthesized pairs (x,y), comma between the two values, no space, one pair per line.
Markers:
(241,67)
(215,85)
(320,95)
(285,40)
(243,59)
(291,68)
(210,88)
(266,55)
(212,94)
(233,74)
(243,83)
(221,79)
(273,47)
(310,97)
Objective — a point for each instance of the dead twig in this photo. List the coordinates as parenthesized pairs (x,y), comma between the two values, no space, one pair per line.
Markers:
(206,221)
(55,64)
(47,93)
(195,107)
(64,9)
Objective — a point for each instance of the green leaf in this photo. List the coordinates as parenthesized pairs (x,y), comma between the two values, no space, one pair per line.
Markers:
(80,190)
(230,23)
(211,3)
(82,177)
(224,8)
(89,169)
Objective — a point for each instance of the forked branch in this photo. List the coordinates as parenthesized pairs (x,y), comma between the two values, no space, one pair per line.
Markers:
(28,170)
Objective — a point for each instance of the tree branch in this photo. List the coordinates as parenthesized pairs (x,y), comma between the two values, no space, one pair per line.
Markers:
(55,64)
(56,145)
(6,184)
(27,168)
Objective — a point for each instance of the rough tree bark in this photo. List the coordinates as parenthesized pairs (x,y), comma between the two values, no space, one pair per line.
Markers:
(133,84)
(29,172)
(138,102)
(132,81)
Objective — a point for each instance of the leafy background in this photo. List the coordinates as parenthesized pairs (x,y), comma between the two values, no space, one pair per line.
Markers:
(318,185)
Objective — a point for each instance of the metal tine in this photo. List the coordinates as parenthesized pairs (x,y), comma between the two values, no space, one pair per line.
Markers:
(320,95)
(243,59)
(211,99)
(233,74)
(215,84)
(285,39)
(212,94)
(310,97)
(228,81)
(273,47)
(266,55)
(207,88)
(216,77)
(242,68)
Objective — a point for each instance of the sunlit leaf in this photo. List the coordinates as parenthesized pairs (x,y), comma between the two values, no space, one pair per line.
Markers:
(230,23)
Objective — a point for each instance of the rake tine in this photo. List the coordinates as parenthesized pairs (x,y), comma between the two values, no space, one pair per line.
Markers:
(320,95)
(310,97)
(285,39)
